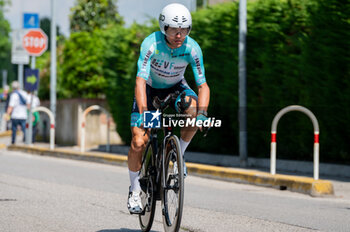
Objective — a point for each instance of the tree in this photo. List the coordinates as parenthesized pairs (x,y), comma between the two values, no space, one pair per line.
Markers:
(4,37)
(5,45)
(89,15)
(45,25)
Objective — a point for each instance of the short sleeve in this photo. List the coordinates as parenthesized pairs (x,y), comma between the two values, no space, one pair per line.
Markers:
(196,61)
(146,52)
(13,99)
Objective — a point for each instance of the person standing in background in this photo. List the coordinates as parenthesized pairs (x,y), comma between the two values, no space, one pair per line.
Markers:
(17,110)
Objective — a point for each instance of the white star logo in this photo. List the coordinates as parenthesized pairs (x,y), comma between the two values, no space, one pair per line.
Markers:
(156,115)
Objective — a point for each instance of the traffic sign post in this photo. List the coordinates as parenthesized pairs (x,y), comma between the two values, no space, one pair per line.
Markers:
(31,77)
(35,42)
(18,54)
(31,83)
(30,20)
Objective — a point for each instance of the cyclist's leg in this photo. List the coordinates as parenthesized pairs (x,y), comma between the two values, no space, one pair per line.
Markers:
(134,163)
(138,144)
(187,133)
(139,139)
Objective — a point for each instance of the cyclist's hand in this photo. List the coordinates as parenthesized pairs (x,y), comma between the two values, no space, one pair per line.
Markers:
(203,118)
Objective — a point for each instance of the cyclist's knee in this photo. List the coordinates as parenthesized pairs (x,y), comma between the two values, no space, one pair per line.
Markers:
(138,143)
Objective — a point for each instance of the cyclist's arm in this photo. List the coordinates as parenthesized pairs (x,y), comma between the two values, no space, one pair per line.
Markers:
(203,97)
(143,72)
(140,94)
(196,61)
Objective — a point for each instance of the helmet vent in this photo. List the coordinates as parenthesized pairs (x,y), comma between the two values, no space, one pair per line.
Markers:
(176,19)
(184,19)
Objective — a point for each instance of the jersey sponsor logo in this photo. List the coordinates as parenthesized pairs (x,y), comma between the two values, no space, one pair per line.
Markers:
(162,63)
(198,65)
(180,67)
(168,76)
(181,55)
(148,55)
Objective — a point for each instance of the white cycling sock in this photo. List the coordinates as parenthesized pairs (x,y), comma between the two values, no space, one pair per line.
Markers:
(184,145)
(134,180)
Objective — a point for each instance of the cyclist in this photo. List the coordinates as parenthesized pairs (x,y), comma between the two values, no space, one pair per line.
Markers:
(163,59)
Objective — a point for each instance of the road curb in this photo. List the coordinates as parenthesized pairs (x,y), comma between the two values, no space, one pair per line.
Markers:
(305,185)
(6,133)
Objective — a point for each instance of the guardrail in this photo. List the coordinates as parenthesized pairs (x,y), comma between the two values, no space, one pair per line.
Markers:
(86,111)
(274,141)
(52,124)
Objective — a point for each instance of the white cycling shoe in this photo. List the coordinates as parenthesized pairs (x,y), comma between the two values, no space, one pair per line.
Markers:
(134,203)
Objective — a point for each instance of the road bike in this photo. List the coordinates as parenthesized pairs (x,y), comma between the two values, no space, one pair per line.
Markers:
(162,173)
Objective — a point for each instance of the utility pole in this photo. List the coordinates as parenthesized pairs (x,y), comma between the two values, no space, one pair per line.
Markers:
(53,60)
(4,78)
(242,88)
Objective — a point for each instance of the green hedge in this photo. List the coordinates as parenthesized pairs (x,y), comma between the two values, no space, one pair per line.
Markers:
(298,53)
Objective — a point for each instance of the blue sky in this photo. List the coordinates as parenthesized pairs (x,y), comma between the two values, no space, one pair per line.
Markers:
(131,10)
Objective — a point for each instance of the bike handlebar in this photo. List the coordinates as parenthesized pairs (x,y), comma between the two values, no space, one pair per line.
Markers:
(163,104)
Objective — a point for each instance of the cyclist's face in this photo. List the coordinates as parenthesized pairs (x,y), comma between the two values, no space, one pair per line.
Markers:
(176,36)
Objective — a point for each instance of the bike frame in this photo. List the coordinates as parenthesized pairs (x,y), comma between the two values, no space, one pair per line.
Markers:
(158,154)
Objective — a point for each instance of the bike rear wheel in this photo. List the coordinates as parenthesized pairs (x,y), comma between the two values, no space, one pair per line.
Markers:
(173,193)
(147,182)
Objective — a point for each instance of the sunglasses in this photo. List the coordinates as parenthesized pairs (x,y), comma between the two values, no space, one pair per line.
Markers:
(175,31)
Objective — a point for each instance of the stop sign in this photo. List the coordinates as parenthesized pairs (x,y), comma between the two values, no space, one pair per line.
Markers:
(35,42)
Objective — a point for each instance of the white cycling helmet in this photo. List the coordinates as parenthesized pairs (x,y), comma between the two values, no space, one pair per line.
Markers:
(175,15)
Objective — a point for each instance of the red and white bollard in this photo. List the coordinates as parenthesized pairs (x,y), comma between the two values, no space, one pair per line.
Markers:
(52,124)
(274,137)
(83,124)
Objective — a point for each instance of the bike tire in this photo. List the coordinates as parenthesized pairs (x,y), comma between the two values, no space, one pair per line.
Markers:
(147,216)
(172,195)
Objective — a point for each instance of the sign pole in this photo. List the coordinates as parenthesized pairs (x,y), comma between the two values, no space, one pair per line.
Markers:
(29,135)
(4,78)
(20,75)
(53,60)
(242,89)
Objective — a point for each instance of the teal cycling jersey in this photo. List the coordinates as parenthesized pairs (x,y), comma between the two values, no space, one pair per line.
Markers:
(163,67)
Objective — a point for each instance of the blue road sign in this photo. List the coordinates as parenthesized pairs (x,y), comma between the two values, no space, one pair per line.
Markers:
(30,20)
(31,79)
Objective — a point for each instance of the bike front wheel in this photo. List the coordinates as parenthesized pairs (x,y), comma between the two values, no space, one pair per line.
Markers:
(148,197)
(173,192)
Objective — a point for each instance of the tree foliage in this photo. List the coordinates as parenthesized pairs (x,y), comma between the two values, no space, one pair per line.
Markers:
(5,45)
(45,25)
(89,15)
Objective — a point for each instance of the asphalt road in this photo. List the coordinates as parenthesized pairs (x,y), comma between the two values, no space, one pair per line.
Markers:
(50,194)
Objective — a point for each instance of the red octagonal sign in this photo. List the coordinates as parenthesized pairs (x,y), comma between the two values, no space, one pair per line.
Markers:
(35,42)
